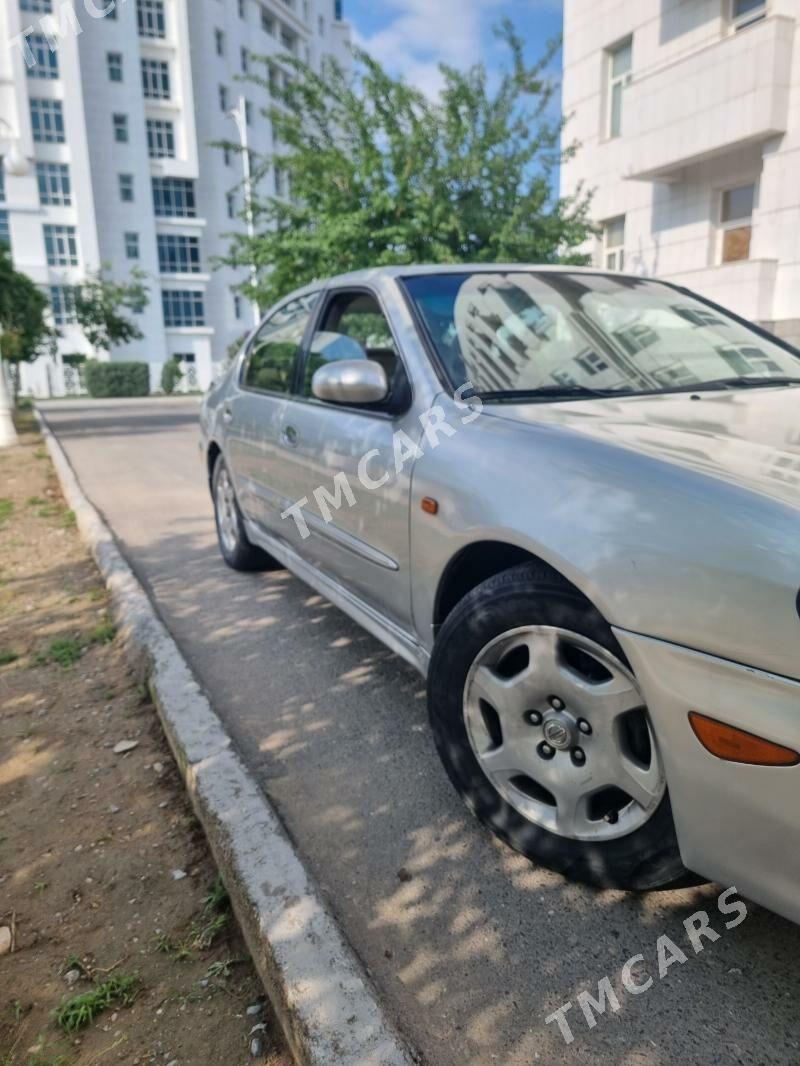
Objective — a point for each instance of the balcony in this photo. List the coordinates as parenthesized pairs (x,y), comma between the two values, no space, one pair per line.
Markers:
(729,94)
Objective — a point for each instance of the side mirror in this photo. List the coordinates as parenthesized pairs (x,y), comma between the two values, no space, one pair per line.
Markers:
(350,381)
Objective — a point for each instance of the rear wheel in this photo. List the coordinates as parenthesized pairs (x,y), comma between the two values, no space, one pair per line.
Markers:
(237,551)
(544,731)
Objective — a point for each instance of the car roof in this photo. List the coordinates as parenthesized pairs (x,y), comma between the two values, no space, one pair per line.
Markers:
(357,277)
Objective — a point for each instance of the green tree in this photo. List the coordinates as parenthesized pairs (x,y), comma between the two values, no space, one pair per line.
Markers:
(380,174)
(24,332)
(100,306)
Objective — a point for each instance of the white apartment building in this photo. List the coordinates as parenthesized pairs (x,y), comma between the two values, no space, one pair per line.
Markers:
(107,138)
(688,116)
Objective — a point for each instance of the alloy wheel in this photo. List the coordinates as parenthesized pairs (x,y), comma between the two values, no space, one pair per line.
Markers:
(559,726)
(227,520)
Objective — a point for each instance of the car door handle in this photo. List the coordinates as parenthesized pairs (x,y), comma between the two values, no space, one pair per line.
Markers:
(290,436)
(227,413)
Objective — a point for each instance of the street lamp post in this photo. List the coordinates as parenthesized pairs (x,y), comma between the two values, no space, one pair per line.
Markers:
(239,116)
(13,162)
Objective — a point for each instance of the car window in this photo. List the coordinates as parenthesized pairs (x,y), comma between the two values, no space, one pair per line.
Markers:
(274,350)
(353,316)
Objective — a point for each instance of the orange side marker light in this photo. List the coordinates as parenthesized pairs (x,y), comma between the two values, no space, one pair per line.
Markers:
(735,745)
(429,505)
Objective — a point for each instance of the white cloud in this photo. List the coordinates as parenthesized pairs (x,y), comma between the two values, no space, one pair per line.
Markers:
(420,34)
(424,33)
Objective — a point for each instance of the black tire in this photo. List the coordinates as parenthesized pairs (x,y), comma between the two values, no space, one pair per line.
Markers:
(529,594)
(242,555)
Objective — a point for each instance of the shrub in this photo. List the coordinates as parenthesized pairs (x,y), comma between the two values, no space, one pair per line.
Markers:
(117,379)
(171,374)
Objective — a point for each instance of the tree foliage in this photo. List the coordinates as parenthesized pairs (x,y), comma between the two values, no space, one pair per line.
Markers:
(381,174)
(24,332)
(100,306)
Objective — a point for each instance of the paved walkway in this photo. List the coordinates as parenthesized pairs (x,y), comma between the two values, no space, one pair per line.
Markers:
(477,947)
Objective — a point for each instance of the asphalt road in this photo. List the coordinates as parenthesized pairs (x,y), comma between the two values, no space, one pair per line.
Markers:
(477,947)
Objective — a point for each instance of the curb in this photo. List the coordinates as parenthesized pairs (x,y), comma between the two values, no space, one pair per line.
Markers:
(322,996)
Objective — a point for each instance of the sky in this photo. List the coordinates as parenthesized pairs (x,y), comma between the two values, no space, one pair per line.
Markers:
(410,37)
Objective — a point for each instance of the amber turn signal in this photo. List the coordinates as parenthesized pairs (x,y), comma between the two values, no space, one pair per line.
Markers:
(734,745)
(429,505)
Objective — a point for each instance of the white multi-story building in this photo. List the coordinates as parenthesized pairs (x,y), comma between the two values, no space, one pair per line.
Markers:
(107,125)
(688,116)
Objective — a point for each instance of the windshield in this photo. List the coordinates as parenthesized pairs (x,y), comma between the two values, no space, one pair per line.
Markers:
(571,333)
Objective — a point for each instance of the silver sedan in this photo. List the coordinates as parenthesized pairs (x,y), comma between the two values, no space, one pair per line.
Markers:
(572,500)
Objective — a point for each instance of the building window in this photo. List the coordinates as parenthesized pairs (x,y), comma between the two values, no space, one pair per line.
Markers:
(241,9)
(41,7)
(120,128)
(245,60)
(183,308)
(321,25)
(132,245)
(614,244)
(114,60)
(150,16)
(126,188)
(160,139)
(226,155)
(267,22)
(237,306)
(61,245)
(280,182)
(5,233)
(45,59)
(736,222)
(54,185)
(223,98)
(746,12)
(178,254)
(231,202)
(219,41)
(289,40)
(62,304)
(174,197)
(620,64)
(248,113)
(47,121)
(155,79)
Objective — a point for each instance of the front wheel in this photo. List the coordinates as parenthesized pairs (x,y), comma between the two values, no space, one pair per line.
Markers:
(236,549)
(544,731)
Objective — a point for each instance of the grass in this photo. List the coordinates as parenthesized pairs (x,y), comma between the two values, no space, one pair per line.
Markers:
(69,520)
(205,929)
(8,656)
(40,453)
(6,510)
(65,651)
(35,501)
(216,898)
(104,633)
(81,1010)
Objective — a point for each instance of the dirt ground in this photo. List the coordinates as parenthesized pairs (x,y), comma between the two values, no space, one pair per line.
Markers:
(107,889)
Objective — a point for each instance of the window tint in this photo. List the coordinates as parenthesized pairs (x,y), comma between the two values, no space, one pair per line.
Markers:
(356,316)
(275,347)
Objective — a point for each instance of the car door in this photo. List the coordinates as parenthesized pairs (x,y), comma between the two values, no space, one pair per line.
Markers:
(254,412)
(349,501)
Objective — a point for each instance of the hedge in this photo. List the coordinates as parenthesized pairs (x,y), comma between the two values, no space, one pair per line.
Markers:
(117,379)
